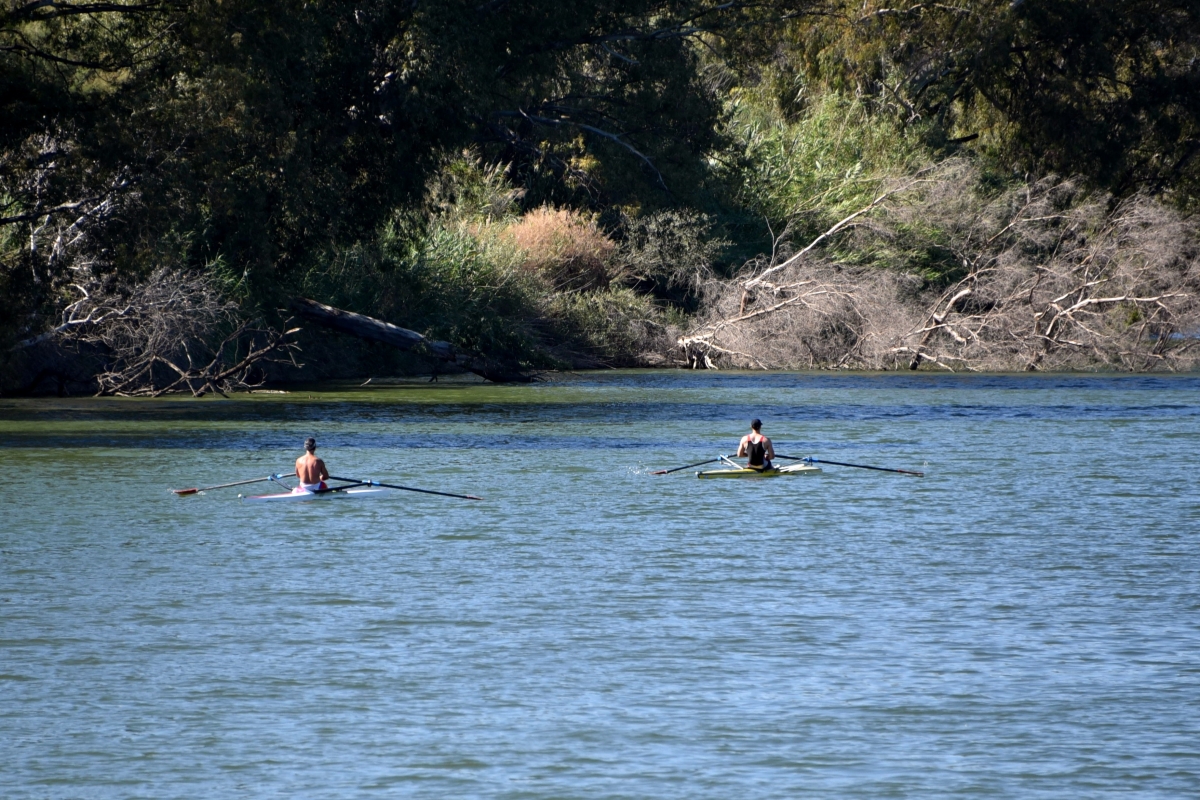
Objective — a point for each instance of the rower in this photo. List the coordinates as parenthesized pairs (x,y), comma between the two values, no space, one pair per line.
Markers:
(756,448)
(310,469)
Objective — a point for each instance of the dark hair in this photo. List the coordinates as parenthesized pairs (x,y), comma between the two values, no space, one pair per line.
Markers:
(310,444)
(755,424)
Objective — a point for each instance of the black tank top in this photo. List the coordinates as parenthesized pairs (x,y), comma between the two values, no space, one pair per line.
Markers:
(756,452)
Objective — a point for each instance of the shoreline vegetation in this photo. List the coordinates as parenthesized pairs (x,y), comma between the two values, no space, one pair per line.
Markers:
(771,185)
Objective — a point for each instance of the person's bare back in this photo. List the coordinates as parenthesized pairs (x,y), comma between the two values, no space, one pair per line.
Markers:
(756,448)
(310,469)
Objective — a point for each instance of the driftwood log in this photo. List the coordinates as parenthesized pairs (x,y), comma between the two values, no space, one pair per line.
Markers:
(375,330)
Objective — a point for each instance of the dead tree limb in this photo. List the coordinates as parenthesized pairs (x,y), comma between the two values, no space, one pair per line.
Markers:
(375,330)
(938,321)
(837,228)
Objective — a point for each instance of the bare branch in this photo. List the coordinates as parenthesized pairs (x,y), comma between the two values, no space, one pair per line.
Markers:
(837,228)
(614,137)
(1047,287)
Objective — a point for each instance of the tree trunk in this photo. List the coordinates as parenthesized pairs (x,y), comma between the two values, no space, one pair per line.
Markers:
(374,330)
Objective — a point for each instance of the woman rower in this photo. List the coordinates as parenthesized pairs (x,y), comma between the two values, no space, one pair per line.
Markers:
(755,447)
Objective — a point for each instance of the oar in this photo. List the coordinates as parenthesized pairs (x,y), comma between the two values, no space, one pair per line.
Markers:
(182,492)
(394,486)
(858,466)
(687,466)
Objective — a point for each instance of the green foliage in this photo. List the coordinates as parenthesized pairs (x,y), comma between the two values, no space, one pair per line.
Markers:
(254,138)
(485,277)
(453,284)
(615,326)
(671,254)
(467,289)
(828,158)
(290,147)
(1107,89)
(828,161)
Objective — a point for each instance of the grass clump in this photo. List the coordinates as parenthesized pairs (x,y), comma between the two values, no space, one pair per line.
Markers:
(564,248)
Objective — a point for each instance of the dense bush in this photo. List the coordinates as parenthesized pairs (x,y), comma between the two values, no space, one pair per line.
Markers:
(542,289)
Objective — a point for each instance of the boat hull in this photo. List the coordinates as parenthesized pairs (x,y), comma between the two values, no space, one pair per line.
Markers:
(359,492)
(774,472)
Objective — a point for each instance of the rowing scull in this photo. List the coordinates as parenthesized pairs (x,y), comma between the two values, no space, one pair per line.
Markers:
(746,472)
(360,492)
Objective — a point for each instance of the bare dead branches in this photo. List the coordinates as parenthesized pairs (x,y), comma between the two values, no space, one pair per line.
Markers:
(172,333)
(57,232)
(1052,281)
(221,374)
(840,226)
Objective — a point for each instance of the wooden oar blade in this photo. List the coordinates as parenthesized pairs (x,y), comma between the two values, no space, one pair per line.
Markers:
(182,492)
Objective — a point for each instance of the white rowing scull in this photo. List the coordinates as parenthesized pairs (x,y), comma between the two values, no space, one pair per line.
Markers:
(359,492)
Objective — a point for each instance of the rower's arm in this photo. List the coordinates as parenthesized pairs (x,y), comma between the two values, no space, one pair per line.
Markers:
(770,448)
(741,453)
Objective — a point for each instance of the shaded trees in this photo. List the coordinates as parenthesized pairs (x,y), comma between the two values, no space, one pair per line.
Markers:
(247,138)
(254,141)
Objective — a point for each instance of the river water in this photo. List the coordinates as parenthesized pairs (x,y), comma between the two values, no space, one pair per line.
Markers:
(1024,621)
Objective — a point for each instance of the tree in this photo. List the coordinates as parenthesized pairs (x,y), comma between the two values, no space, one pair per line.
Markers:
(249,137)
(1109,89)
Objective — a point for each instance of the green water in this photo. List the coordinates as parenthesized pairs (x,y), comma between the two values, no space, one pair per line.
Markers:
(1022,622)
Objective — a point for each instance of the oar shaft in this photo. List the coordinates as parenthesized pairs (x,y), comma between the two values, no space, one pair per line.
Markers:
(864,466)
(686,466)
(227,485)
(425,491)
(403,488)
(856,466)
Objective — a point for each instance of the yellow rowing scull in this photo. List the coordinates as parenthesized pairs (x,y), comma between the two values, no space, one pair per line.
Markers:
(747,472)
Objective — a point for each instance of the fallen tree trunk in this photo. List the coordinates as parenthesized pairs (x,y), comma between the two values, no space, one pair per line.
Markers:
(374,330)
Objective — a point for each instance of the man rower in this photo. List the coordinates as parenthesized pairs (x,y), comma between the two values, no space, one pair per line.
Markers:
(310,469)
(756,448)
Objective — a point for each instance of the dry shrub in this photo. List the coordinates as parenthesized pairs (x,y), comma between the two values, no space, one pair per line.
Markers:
(823,316)
(1051,280)
(564,247)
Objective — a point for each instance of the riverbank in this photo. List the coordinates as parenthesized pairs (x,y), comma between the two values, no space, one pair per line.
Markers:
(938,272)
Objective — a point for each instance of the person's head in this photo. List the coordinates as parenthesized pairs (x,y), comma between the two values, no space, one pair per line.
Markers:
(755,424)
(310,444)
